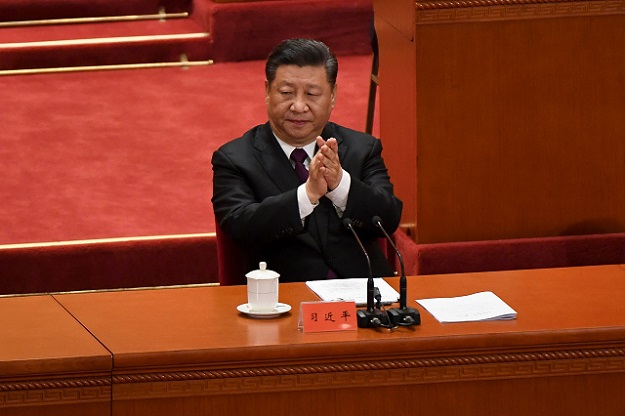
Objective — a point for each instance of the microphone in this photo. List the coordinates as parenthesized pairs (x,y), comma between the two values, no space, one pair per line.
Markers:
(403,316)
(371,317)
(370,287)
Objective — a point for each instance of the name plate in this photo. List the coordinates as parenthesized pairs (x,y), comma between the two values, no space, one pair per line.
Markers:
(328,316)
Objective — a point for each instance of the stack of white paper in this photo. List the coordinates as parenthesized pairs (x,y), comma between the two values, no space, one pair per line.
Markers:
(352,289)
(483,306)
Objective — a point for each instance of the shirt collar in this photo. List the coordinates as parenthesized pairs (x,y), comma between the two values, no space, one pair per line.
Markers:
(287,148)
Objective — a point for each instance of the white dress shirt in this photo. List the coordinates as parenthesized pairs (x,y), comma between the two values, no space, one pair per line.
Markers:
(338,196)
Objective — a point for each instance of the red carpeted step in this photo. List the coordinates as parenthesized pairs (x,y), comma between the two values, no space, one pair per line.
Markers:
(248,30)
(108,264)
(102,44)
(18,10)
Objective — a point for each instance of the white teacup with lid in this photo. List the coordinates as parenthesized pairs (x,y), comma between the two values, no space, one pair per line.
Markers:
(262,289)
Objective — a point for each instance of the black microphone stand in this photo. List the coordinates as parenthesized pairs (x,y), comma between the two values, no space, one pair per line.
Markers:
(372,316)
(402,316)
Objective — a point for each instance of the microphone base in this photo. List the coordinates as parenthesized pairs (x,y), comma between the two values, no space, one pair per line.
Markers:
(372,319)
(404,316)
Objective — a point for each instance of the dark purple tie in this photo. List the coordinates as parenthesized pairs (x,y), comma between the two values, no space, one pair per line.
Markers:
(299,156)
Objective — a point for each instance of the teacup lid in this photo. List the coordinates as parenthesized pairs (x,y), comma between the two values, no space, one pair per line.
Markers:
(262,272)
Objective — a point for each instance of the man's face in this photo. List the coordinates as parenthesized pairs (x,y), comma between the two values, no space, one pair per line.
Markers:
(299,103)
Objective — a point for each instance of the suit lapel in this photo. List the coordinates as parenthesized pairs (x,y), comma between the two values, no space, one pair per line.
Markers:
(273,160)
(281,172)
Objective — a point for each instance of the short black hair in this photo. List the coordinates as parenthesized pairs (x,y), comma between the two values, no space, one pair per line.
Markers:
(302,52)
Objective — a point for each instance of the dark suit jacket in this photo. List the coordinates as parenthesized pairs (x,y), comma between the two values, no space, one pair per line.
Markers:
(255,203)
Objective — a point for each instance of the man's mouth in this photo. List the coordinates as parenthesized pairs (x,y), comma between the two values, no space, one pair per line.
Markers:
(298,122)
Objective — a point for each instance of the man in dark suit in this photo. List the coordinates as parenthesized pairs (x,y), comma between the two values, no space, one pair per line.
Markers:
(297,225)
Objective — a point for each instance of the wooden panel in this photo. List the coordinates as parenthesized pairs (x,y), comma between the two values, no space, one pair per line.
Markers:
(522,396)
(400,14)
(398,122)
(49,364)
(520,119)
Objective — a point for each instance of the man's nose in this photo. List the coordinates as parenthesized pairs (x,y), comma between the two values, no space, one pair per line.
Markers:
(299,104)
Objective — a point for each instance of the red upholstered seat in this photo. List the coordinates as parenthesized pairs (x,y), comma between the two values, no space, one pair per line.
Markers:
(523,253)
(409,252)
(231,260)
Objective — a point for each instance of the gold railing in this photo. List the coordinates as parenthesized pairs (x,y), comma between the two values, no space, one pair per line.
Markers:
(161,15)
(183,63)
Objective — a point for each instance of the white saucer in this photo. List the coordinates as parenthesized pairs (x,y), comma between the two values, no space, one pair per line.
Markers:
(279,310)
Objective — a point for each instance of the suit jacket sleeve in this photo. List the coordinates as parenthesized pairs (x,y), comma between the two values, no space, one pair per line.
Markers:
(371,192)
(254,190)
